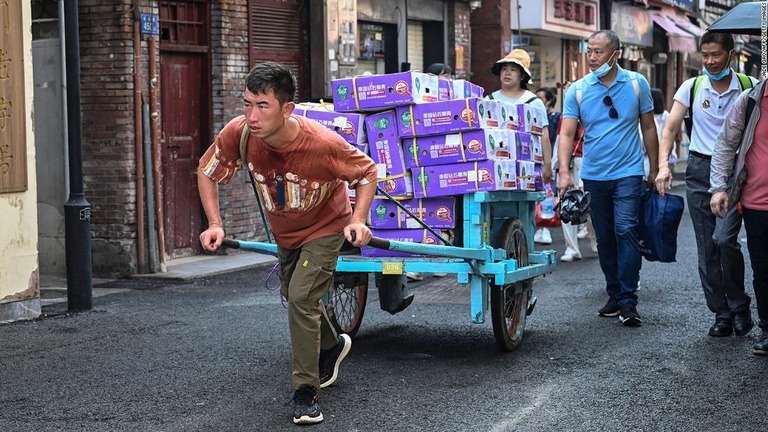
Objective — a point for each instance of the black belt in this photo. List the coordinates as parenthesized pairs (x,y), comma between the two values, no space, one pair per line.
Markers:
(699,155)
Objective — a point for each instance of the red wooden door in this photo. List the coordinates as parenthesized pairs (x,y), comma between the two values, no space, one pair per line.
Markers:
(181,75)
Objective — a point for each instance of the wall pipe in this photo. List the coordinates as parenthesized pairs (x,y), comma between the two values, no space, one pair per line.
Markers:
(152,240)
(156,162)
(137,141)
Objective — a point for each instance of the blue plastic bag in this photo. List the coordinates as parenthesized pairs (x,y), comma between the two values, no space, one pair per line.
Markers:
(659,219)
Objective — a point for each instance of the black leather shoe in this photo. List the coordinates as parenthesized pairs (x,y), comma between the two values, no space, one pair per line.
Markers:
(721,328)
(761,346)
(742,323)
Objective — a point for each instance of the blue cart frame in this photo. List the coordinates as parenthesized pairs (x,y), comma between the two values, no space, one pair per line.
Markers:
(495,260)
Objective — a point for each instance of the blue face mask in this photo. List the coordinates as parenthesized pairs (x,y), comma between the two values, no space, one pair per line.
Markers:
(604,69)
(717,77)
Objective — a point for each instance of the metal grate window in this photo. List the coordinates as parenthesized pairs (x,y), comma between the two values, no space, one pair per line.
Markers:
(416,45)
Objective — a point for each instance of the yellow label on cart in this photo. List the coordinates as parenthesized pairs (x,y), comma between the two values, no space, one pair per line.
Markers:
(393,268)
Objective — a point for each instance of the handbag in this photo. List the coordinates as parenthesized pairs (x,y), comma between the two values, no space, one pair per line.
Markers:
(659,219)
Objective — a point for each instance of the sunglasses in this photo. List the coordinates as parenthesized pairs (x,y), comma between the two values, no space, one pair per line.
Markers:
(612,113)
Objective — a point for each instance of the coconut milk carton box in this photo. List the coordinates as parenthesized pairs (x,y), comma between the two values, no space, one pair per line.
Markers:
(444,89)
(378,92)
(522,145)
(526,178)
(531,118)
(446,117)
(461,178)
(401,235)
(435,212)
(455,148)
(463,89)
(537,155)
(349,125)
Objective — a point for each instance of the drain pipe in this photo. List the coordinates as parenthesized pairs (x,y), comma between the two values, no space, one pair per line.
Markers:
(158,177)
(64,123)
(138,144)
(153,259)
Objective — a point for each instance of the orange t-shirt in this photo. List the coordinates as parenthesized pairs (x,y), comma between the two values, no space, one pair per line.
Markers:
(301,184)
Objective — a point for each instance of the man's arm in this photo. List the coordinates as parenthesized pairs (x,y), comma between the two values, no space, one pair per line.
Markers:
(729,140)
(651,141)
(671,130)
(213,236)
(568,128)
(546,151)
(363,199)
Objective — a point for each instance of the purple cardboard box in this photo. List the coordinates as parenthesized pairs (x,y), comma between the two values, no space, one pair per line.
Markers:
(400,185)
(403,235)
(467,146)
(522,146)
(463,89)
(526,179)
(538,180)
(444,89)
(378,92)
(537,154)
(532,118)
(386,151)
(349,125)
(510,117)
(439,118)
(435,212)
(455,179)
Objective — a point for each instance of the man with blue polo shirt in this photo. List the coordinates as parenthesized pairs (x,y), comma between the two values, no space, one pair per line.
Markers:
(614,100)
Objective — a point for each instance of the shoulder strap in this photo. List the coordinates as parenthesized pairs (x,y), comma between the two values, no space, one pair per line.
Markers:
(694,90)
(744,81)
(491,96)
(244,146)
(531,100)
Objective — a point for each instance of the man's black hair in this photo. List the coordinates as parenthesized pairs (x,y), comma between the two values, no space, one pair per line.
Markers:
(725,40)
(658,100)
(274,77)
(613,39)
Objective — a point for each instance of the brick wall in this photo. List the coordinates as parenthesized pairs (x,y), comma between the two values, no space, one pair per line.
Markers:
(459,37)
(490,30)
(229,36)
(109,163)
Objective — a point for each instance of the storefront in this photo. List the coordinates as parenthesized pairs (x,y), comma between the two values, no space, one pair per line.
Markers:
(554,33)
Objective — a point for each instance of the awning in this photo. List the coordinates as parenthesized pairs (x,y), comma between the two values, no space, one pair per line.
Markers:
(679,40)
(688,26)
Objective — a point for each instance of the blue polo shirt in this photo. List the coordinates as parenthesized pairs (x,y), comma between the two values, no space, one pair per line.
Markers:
(613,148)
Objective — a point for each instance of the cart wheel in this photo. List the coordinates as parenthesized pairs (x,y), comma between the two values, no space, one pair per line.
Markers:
(509,303)
(346,301)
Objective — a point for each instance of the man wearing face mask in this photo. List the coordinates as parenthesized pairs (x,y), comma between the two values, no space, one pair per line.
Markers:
(721,262)
(614,100)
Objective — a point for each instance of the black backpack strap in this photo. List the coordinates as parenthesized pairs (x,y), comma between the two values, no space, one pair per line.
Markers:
(531,100)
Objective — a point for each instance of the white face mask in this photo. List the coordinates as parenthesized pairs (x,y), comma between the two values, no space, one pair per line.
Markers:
(605,68)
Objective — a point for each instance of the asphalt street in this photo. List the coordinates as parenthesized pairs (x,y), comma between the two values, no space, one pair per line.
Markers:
(213,354)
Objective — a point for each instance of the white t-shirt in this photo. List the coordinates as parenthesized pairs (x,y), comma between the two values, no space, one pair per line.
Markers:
(709,110)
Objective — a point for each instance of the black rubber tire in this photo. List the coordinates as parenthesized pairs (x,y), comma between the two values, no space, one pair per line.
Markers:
(509,303)
(346,302)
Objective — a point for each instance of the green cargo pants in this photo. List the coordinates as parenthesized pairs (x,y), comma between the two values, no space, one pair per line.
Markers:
(306,276)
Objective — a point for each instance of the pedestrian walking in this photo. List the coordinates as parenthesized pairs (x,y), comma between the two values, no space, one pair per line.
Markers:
(612,169)
(300,168)
(738,175)
(515,77)
(707,100)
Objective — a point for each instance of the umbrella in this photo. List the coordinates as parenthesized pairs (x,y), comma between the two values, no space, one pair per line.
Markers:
(746,18)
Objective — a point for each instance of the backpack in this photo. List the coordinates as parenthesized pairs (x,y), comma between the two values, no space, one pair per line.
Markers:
(744,83)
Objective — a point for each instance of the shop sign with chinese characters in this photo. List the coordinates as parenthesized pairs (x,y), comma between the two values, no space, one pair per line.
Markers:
(13,143)
(578,18)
